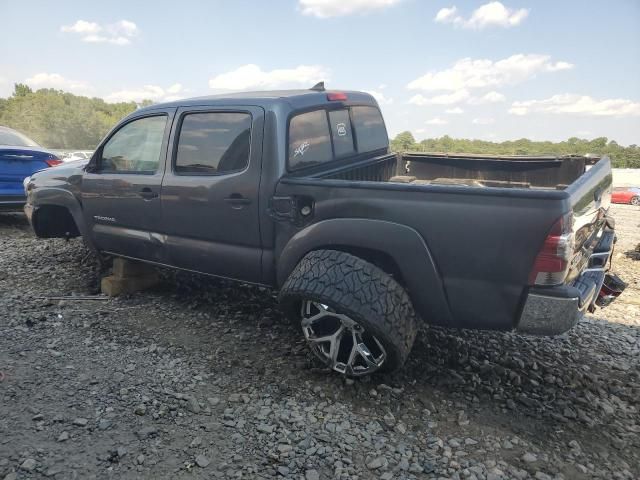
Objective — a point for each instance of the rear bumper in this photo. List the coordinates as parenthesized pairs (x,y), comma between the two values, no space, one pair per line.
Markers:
(547,315)
(12,203)
(554,310)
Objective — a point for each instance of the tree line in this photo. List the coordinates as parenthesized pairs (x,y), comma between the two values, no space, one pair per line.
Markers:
(621,157)
(57,119)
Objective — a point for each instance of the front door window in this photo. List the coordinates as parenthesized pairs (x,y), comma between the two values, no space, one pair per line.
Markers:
(135,148)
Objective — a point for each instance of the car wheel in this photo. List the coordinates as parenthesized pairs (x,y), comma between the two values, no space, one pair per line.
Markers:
(356,318)
(635,201)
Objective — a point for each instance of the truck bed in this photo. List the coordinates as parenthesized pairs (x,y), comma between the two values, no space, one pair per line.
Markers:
(529,172)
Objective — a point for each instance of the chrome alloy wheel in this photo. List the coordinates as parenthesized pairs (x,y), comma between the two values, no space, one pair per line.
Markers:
(339,341)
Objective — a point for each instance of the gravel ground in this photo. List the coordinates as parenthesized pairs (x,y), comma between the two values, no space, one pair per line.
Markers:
(204,379)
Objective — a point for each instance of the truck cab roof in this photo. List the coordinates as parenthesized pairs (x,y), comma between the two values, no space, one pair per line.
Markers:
(295,99)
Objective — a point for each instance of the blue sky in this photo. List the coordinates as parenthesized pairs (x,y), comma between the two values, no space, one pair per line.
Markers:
(474,69)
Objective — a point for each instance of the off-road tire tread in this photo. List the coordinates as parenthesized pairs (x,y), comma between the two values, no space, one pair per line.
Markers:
(361,290)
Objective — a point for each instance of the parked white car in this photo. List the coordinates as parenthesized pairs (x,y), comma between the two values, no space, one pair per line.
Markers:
(79,155)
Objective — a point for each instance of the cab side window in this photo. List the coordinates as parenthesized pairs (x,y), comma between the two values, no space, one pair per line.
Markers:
(370,130)
(135,148)
(309,140)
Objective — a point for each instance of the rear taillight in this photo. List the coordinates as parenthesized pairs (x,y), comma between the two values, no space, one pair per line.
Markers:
(52,162)
(552,263)
(612,287)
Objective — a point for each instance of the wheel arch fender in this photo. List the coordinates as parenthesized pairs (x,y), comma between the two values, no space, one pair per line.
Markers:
(404,245)
(60,197)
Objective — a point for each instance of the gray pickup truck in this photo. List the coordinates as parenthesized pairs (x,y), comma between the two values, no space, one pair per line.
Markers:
(298,190)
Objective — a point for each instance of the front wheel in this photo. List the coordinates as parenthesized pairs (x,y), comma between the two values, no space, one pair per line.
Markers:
(356,318)
(635,201)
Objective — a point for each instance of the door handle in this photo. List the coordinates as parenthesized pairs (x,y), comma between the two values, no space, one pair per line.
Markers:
(147,193)
(237,201)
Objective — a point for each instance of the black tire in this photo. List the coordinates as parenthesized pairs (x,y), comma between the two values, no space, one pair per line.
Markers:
(635,201)
(359,289)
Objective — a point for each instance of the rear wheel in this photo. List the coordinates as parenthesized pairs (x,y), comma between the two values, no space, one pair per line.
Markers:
(356,318)
(635,201)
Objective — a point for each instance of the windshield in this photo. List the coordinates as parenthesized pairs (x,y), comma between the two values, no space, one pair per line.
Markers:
(16,139)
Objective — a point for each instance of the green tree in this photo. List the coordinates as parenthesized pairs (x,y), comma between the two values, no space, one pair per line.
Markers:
(57,119)
(21,90)
(403,141)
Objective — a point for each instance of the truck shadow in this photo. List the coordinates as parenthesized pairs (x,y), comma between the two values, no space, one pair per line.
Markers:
(13,220)
(633,254)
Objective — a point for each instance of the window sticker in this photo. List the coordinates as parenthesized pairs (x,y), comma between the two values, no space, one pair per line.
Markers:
(301,149)
(341,128)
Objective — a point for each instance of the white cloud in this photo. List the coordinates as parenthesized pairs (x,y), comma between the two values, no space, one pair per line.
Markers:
(118,33)
(147,92)
(490,97)
(578,105)
(558,66)
(492,14)
(252,76)
(468,73)
(454,111)
(458,96)
(444,99)
(82,26)
(446,15)
(436,121)
(119,40)
(175,88)
(57,81)
(380,97)
(338,8)
(125,27)
(483,121)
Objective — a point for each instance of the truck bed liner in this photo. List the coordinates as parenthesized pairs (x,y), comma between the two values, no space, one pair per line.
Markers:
(555,173)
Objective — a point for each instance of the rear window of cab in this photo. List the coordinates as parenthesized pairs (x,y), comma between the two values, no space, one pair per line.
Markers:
(321,136)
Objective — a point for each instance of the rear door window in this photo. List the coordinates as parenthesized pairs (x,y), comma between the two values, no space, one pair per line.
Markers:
(309,140)
(370,130)
(213,143)
(341,132)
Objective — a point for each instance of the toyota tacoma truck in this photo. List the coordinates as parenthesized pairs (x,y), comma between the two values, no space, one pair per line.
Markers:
(298,190)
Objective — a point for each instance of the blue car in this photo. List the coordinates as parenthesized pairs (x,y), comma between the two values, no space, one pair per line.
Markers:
(19,158)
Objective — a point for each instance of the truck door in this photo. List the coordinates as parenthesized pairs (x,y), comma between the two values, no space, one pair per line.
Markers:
(121,188)
(210,191)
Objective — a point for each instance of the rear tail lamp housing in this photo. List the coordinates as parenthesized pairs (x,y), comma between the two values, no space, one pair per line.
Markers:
(552,263)
(53,161)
